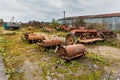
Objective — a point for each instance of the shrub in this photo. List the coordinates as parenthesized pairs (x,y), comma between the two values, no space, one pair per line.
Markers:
(54,23)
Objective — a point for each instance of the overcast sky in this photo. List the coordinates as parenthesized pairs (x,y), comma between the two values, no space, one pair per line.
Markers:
(45,10)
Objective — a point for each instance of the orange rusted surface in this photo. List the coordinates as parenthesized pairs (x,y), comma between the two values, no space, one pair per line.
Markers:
(64,28)
(33,37)
(49,29)
(52,42)
(68,28)
(91,40)
(83,30)
(71,51)
(107,34)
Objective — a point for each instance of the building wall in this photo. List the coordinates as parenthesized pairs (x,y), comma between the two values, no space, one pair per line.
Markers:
(113,23)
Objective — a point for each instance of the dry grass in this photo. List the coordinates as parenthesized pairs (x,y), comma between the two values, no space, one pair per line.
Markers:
(24,61)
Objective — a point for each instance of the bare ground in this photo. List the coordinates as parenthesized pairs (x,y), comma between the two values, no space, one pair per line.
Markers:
(2,71)
(112,54)
(106,51)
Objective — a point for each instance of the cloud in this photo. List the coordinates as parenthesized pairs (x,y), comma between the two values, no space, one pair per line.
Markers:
(45,10)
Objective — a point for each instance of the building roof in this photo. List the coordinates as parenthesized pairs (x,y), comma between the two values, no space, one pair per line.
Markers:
(93,16)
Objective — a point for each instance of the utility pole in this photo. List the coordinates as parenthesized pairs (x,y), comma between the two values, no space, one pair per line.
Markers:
(64,16)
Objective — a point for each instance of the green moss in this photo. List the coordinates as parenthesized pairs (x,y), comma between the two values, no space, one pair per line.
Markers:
(61,70)
(96,75)
(17,76)
(61,34)
(44,73)
(96,58)
(110,42)
(71,77)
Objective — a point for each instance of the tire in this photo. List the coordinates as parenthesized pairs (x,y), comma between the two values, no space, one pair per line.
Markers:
(70,39)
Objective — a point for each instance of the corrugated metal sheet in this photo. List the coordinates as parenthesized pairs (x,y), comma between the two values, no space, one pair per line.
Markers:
(111,20)
(112,23)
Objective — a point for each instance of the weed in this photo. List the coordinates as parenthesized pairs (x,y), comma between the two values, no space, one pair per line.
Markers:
(61,70)
(96,75)
(111,42)
(61,62)
(96,58)
(61,34)
(110,76)
(44,73)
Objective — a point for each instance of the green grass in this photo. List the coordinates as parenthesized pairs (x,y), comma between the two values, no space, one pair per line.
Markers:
(112,43)
(96,75)
(15,52)
(61,34)
(97,59)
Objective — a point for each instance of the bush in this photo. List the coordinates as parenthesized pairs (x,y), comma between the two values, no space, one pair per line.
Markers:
(54,23)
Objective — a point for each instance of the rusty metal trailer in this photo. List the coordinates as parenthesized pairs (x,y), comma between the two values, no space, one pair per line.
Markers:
(88,36)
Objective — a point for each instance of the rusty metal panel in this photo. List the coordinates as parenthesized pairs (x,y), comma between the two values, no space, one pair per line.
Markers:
(50,43)
(91,40)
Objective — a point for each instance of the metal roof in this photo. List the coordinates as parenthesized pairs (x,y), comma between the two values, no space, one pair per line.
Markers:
(93,16)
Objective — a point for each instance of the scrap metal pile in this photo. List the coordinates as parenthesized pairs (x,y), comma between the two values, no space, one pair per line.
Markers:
(67,51)
(70,50)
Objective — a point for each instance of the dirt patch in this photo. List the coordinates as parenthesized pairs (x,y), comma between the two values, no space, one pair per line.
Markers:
(2,73)
(113,55)
(31,71)
(106,51)
(118,36)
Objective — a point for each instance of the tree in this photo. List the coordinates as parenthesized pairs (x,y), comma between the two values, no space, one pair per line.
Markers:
(54,23)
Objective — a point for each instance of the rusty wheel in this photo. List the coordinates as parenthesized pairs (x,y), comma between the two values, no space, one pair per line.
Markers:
(70,39)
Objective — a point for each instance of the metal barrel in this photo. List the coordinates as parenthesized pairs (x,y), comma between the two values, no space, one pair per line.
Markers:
(71,51)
